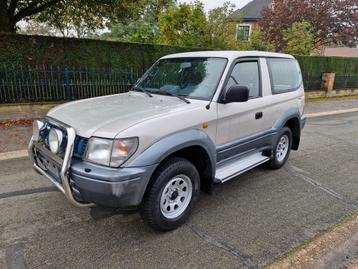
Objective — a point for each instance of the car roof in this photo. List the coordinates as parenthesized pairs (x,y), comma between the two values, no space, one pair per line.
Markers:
(229,54)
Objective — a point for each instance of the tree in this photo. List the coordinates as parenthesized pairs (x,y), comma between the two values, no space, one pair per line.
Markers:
(258,41)
(59,12)
(220,31)
(143,30)
(184,25)
(72,20)
(299,39)
(37,28)
(334,21)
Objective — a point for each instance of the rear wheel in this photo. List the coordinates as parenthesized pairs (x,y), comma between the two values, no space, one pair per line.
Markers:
(282,149)
(171,197)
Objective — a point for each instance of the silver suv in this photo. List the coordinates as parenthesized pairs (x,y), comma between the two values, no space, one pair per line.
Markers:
(193,120)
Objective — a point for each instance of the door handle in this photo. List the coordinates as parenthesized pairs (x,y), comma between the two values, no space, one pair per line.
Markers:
(258,115)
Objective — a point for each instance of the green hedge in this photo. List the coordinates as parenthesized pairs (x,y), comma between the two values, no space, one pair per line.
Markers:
(41,50)
(315,65)
(38,50)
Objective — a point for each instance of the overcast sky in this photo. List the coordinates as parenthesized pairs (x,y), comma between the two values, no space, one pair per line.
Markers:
(210,4)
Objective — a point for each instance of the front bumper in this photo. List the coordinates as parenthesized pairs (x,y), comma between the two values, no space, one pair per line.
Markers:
(86,184)
(53,167)
(112,187)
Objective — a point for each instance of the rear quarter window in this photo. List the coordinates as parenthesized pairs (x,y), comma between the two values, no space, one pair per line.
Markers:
(285,75)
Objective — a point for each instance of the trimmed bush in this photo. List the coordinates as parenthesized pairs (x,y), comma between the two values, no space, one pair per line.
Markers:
(41,50)
(315,65)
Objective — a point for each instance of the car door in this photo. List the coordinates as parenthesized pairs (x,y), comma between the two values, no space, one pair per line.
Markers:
(240,125)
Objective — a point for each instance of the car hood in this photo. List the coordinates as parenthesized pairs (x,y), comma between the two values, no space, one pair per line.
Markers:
(106,116)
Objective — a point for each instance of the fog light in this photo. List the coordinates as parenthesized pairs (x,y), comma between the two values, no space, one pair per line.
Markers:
(55,139)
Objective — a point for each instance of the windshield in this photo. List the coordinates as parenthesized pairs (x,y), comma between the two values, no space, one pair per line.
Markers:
(189,77)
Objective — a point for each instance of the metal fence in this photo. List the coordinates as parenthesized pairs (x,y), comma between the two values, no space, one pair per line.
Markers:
(345,82)
(55,83)
(312,82)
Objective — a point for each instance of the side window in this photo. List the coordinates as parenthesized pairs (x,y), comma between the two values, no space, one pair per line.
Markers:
(246,74)
(285,75)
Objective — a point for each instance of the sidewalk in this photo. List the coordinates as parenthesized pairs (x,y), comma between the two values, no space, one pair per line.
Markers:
(9,112)
(16,121)
(313,106)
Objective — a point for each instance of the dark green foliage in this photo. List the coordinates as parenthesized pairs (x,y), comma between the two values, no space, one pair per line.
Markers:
(40,50)
(315,65)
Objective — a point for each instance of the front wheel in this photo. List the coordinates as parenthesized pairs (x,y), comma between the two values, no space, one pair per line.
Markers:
(172,195)
(282,149)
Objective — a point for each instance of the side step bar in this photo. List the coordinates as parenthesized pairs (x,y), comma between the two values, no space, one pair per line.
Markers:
(235,168)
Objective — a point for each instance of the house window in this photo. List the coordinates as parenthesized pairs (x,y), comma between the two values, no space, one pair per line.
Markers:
(243,32)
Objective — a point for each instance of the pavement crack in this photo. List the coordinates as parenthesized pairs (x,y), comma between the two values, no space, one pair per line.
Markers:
(27,192)
(247,260)
(299,172)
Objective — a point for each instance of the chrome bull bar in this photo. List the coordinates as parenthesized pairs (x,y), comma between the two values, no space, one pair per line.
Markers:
(65,188)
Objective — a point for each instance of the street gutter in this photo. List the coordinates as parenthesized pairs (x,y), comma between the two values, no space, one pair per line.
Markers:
(334,248)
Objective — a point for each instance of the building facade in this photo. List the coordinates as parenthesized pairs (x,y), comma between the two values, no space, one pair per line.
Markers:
(249,17)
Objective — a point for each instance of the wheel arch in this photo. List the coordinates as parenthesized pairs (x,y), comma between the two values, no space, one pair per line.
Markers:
(294,125)
(193,145)
(199,157)
(291,119)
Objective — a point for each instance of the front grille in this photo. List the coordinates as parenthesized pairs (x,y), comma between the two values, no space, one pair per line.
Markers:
(51,167)
(79,147)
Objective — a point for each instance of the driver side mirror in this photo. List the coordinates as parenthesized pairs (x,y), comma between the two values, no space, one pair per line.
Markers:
(236,94)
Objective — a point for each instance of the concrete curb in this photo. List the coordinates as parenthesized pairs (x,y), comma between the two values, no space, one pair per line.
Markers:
(23,153)
(332,248)
(329,113)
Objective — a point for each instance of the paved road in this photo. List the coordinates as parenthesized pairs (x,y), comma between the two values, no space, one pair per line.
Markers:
(248,222)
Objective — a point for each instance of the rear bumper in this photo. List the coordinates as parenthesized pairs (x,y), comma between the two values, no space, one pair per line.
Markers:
(112,187)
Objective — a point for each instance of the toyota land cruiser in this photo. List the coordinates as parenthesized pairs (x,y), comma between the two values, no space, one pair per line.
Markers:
(193,120)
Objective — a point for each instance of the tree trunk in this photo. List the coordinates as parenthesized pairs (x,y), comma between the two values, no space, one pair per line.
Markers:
(6,24)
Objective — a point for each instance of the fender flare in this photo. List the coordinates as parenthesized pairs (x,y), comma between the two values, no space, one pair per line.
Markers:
(166,146)
(285,117)
(290,114)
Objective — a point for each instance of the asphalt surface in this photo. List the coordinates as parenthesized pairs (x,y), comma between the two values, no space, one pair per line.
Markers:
(247,223)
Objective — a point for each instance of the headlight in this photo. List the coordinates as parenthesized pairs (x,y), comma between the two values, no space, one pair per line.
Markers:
(110,152)
(55,137)
(122,150)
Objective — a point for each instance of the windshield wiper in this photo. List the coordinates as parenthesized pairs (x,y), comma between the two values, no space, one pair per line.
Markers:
(138,88)
(173,94)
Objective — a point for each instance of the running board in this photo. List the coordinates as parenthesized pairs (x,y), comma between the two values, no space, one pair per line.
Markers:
(235,168)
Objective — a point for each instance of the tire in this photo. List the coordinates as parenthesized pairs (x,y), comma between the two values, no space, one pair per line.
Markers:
(282,149)
(172,195)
